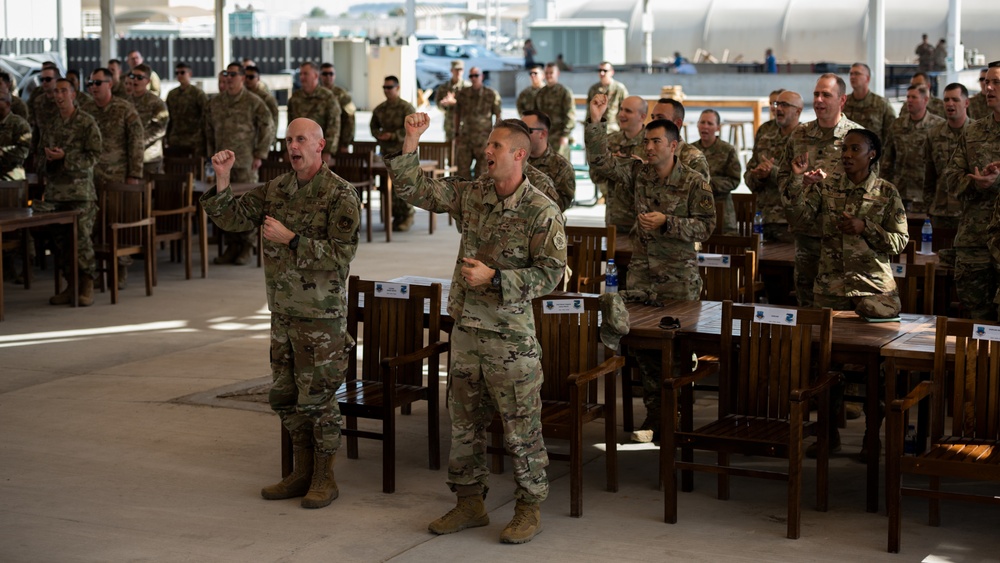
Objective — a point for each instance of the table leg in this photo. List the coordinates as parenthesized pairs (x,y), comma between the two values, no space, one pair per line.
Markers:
(873,421)
(75,274)
(1,276)
(203,239)
(388,208)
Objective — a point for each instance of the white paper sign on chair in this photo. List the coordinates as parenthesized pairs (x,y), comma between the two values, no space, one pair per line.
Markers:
(775,316)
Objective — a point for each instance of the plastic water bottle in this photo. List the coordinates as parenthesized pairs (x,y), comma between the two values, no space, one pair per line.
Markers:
(611,277)
(927,237)
(758,224)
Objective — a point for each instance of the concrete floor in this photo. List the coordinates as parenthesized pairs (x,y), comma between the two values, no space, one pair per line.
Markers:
(114,448)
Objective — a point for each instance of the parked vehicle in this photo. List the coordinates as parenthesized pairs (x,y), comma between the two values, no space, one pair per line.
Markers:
(434,60)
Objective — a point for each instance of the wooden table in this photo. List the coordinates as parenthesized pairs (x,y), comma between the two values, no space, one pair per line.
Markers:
(23,218)
(755,103)
(381,171)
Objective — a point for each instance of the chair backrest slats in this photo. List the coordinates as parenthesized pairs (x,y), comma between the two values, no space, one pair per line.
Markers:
(976,385)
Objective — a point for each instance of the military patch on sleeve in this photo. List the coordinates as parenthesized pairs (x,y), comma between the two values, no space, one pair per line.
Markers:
(900,216)
(707,204)
(559,241)
(345,223)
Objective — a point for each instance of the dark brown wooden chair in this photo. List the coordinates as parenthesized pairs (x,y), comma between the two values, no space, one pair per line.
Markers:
(272,169)
(174,211)
(177,152)
(14,194)
(767,374)
(356,168)
(746,208)
(916,287)
(124,227)
(732,281)
(969,448)
(185,165)
(444,153)
(571,362)
(590,245)
(389,374)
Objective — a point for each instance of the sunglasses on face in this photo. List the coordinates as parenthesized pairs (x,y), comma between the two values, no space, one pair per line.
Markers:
(179,72)
(93,83)
(328,73)
(387,87)
(474,75)
(135,76)
(47,78)
(603,70)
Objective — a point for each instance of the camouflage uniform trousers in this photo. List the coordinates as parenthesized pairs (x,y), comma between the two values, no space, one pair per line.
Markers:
(242,176)
(471,146)
(976,282)
(84,259)
(496,372)
(807,251)
(309,362)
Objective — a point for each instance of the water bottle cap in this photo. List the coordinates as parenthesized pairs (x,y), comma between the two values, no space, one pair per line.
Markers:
(611,260)
(927,220)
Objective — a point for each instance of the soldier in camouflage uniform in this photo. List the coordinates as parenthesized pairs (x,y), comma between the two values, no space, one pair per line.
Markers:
(135,60)
(674,210)
(186,105)
(626,142)
(935,105)
(867,108)
(327,76)
(977,104)
(17,105)
(387,127)
(238,121)
(974,175)
(317,104)
(44,113)
(762,174)
(513,250)
(905,161)
(822,140)
(121,132)
(309,218)
(614,90)
(925,54)
(15,140)
(154,116)
(723,165)
(942,141)
(863,223)
(556,101)
(259,89)
(673,111)
(557,168)
(476,109)
(118,82)
(445,98)
(72,147)
(526,98)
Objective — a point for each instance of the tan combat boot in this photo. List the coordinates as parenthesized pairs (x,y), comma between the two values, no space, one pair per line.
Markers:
(244,256)
(296,484)
(469,512)
(323,489)
(86,295)
(227,257)
(64,297)
(526,524)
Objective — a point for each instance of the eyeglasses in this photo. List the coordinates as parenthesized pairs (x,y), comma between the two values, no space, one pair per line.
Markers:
(47,78)
(784,105)
(474,75)
(135,76)
(328,73)
(230,73)
(92,83)
(388,87)
(604,70)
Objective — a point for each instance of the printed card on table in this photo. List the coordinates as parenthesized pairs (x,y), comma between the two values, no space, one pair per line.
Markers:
(898,270)
(713,260)
(562,306)
(392,290)
(775,316)
(985,332)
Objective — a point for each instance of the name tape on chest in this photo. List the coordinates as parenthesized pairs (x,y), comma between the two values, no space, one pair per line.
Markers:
(775,316)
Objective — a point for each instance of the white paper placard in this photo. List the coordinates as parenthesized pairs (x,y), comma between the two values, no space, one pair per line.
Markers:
(392,290)
(985,332)
(562,306)
(898,270)
(713,260)
(775,316)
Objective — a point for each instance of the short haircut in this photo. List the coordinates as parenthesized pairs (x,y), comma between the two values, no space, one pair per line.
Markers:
(672,132)
(307,64)
(994,64)
(182,65)
(841,85)
(107,74)
(136,51)
(115,62)
(552,65)
(325,66)
(678,107)
(66,81)
(920,88)
(49,64)
(864,66)
(718,118)
(237,66)
(777,92)
(53,69)
(250,68)
(537,66)
(602,63)
(521,136)
(143,67)
(542,118)
(958,86)
(873,143)
(926,78)
(393,79)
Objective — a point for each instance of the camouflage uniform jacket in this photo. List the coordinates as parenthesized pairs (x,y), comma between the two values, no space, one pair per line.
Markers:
(616,92)
(942,141)
(724,166)
(20,108)
(824,148)
(347,111)
(154,116)
(72,178)
(556,101)
(15,144)
(187,110)
(154,83)
(475,112)
(620,210)
(872,112)
(123,140)
(265,96)
(978,147)
(768,143)
(664,261)
(44,113)
(526,99)
(239,123)
(388,117)
(904,161)
(853,265)
(936,107)
(449,111)
(977,106)
(561,172)
(310,281)
(322,107)
(118,89)
(693,159)
(541,182)
(522,235)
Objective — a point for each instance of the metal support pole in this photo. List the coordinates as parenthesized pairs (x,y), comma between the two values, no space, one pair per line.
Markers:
(956,51)
(876,45)
(109,44)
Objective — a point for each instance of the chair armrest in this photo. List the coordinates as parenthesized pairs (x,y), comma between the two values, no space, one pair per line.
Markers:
(438,347)
(608,366)
(177,211)
(139,223)
(823,384)
(704,369)
(918,393)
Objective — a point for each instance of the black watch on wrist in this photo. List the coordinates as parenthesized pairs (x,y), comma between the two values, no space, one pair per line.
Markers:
(294,243)
(496,278)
